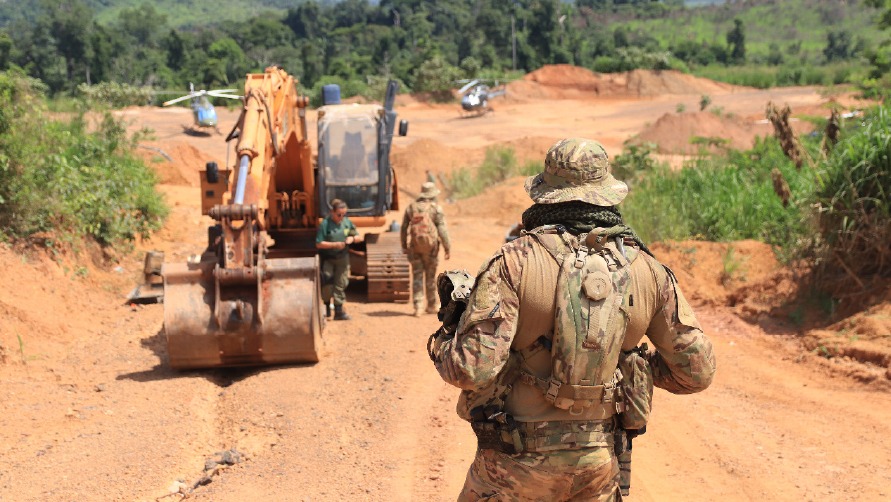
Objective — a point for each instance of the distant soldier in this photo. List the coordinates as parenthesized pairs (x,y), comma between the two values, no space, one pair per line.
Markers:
(423,230)
(335,234)
(554,384)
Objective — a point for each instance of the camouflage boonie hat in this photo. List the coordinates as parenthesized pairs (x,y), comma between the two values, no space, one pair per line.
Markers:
(576,169)
(429,190)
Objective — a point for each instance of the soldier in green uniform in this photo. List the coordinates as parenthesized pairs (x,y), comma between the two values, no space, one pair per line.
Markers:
(423,231)
(335,234)
(546,354)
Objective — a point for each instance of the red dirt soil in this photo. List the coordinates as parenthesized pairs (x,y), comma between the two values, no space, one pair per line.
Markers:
(570,82)
(89,409)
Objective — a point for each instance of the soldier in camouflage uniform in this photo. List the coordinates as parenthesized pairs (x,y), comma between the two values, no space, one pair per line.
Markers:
(539,439)
(425,261)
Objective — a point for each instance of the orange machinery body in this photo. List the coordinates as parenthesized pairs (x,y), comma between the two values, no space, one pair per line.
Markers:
(236,305)
(253,295)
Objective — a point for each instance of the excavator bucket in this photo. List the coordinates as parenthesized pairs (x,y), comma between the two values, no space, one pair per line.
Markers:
(273,318)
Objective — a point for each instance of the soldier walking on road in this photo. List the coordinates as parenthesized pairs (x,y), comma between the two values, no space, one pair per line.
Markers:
(335,234)
(423,230)
(546,351)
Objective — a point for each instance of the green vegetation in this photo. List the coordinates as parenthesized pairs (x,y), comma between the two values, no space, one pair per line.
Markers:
(763,77)
(854,218)
(837,220)
(427,45)
(731,266)
(115,95)
(500,163)
(722,197)
(69,179)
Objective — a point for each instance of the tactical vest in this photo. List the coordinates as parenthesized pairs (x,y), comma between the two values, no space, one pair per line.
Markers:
(590,319)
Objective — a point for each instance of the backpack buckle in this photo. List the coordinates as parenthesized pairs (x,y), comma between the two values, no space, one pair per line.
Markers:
(553,390)
(610,392)
(580,256)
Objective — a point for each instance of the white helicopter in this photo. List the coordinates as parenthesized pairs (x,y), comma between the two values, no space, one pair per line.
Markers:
(475,96)
(203,111)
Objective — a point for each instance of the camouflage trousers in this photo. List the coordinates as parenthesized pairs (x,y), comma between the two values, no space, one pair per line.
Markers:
(335,275)
(565,475)
(423,278)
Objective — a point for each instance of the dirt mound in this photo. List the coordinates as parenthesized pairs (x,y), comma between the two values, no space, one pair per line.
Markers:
(38,317)
(413,162)
(175,163)
(673,133)
(863,336)
(711,272)
(504,202)
(558,82)
(565,76)
(657,83)
(573,82)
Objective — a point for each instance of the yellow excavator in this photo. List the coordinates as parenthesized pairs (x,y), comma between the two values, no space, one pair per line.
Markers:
(253,296)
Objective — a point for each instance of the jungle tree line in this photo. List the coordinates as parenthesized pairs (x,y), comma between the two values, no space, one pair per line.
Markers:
(424,44)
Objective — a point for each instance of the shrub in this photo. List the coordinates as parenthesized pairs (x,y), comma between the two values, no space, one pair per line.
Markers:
(66,178)
(854,219)
(436,77)
(115,95)
(499,164)
(634,162)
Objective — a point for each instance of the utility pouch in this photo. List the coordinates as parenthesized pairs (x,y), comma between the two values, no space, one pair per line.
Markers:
(496,430)
(488,437)
(637,387)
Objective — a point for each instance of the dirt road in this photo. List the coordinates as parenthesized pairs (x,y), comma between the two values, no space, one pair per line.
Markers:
(90,411)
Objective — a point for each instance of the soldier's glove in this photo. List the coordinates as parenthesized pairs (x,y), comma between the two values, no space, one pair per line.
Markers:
(454,288)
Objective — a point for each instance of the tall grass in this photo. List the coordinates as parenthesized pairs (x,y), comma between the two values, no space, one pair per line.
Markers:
(852,197)
(721,197)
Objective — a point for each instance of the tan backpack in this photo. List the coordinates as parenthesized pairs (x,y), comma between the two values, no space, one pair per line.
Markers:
(590,319)
(422,232)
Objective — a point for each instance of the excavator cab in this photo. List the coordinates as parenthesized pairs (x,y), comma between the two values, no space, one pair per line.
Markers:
(354,154)
(349,160)
(353,165)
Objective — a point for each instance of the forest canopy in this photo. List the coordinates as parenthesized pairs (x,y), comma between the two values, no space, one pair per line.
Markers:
(65,43)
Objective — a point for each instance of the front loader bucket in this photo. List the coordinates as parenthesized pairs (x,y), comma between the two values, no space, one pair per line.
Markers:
(273,318)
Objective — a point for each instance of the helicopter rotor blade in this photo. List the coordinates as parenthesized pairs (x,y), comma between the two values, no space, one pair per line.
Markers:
(225,96)
(222,93)
(177,100)
(467,86)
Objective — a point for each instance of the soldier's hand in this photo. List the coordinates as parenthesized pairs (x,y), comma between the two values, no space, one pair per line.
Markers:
(447,255)
(404,250)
